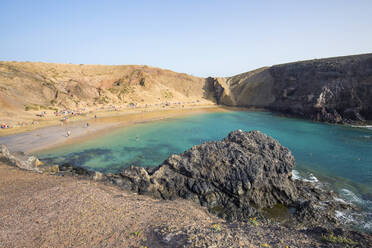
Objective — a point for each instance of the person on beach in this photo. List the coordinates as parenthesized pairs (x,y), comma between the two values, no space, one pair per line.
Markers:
(87,125)
(68,133)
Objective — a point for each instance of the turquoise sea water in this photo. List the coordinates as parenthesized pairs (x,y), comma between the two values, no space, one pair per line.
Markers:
(338,155)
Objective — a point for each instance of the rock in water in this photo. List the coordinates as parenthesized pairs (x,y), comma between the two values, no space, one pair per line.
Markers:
(234,177)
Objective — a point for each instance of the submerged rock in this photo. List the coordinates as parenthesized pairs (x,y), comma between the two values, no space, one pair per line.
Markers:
(80,171)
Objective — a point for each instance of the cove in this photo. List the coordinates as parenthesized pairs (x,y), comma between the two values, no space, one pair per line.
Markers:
(338,155)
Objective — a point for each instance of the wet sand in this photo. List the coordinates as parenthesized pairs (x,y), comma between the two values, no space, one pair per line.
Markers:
(54,136)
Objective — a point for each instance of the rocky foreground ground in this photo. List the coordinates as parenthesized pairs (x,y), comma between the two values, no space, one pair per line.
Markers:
(240,179)
(39,210)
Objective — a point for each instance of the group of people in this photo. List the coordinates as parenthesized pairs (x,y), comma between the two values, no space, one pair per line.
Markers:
(68,133)
(4,126)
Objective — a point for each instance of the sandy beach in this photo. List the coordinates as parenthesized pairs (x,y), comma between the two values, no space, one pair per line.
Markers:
(55,133)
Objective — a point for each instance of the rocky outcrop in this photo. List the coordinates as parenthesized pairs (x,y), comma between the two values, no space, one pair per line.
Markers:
(235,178)
(335,90)
(32,163)
(26,162)
(69,169)
(20,160)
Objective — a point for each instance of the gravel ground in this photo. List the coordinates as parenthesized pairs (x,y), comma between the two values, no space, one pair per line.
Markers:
(38,210)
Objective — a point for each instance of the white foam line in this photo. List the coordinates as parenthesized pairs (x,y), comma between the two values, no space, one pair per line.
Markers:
(351,196)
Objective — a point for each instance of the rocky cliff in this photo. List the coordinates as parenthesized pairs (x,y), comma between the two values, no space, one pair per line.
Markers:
(335,90)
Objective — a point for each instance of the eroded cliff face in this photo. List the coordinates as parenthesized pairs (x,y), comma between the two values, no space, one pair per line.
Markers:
(335,90)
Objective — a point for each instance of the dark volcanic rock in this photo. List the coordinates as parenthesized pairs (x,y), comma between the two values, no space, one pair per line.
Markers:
(335,90)
(234,177)
(66,167)
(69,169)
(317,207)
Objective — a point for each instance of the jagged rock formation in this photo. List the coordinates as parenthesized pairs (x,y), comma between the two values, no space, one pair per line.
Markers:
(335,90)
(235,178)
(229,177)
(25,162)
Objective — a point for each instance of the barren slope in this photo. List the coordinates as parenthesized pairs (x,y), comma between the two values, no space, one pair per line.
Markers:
(40,86)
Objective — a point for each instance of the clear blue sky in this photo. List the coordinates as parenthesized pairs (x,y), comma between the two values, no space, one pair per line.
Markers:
(201,37)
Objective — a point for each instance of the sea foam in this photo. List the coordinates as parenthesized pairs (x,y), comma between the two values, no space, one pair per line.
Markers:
(310,178)
(351,196)
(366,126)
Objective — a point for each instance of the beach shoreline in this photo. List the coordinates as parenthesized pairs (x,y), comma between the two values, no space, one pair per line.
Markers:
(56,135)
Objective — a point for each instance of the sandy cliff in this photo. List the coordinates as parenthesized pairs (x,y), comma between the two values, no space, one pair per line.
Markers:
(27,86)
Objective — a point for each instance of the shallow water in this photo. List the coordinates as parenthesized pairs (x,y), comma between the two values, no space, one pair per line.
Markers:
(338,155)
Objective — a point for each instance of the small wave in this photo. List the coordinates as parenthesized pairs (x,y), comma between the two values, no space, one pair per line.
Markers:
(344,217)
(340,200)
(311,178)
(351,196)
(296,175)
(364,219)
(367,226)
(366,126)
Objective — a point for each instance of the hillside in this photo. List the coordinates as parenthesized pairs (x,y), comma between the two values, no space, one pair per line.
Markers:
(26,87)
(336,90)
